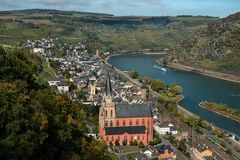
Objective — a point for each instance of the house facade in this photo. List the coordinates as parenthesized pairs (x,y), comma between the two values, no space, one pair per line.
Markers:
(165,128)
(124,122)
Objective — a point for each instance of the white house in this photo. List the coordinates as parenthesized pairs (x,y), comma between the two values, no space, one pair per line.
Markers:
(148,153)
(38,50)
(63,87)
(165,128)
(54,81)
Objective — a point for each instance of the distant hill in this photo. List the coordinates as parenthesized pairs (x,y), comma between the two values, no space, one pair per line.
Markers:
(202,41)
(103,31)
(216,47)
(50,11)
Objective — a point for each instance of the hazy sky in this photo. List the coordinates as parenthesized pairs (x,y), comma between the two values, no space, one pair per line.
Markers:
(219,8)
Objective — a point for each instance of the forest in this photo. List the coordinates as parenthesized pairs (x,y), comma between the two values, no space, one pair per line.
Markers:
(35,122)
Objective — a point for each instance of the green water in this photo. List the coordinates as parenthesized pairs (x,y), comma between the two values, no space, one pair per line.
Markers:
(196,88)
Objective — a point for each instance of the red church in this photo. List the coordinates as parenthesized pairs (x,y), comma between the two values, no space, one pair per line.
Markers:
(124,122)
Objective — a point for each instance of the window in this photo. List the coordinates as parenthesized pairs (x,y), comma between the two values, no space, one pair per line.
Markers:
(132,138)
(117,123)
(143,121)
(118,138)
(137,122)
(138,137)
(111,113)
(107,139)
(130,122)
(106,123)
(143,138)
(124,123)
(148,126)
(106,113)
(112,139)
(111,123)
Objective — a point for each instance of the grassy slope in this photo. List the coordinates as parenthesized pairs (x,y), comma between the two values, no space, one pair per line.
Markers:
(105,32)
(111,33)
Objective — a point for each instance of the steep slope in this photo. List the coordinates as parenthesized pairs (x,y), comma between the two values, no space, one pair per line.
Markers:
(217,47)
(35,122)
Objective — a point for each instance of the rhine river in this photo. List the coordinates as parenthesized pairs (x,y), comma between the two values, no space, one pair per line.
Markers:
(196,88)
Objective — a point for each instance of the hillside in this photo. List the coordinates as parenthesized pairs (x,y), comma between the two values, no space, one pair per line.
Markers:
(216,47)
(202,41)
(102,31)
(35,122)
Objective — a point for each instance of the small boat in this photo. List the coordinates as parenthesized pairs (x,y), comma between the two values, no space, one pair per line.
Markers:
(160,68)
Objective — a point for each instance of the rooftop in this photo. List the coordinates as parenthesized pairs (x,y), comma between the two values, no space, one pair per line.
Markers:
(122,130)
(135,110)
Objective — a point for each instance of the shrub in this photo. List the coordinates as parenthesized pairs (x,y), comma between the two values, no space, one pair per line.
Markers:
(116,143)
(135,143)
(141,145)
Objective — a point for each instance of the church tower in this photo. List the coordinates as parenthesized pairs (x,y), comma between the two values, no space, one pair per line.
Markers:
(107,110)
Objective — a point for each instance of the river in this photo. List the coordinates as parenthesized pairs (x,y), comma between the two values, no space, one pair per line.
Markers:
(196,88)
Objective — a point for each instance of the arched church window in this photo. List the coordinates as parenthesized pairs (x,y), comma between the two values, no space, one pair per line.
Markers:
(111,123)
(130,122)
(106,123)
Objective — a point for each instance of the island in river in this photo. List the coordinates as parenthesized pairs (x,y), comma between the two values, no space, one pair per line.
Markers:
(221,109)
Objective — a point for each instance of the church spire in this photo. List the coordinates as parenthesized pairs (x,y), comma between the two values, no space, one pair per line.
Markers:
(108,86)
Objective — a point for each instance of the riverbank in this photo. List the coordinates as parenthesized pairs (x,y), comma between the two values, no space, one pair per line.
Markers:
(153,93)
(144,53)
(201,104)
(155,53)
(205,72)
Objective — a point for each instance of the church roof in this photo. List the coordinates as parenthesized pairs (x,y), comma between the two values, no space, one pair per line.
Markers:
(135,110)
(122,130)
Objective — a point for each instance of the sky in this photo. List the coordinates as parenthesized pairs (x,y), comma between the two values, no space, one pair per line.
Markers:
(218,8)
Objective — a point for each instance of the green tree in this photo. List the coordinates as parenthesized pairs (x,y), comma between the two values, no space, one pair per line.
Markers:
(116,143)
(182,146)
(35,122)
(131,143)
(141,145)
(110,144)
(133,74)
(176,89)
(135,143)
(157,85)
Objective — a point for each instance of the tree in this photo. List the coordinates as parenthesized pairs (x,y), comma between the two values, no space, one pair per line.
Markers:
(131,157)
(134,74)
(81,96)
(116,143)
(135,143)
(141,145)
(36,123)
(124,142)
(157,85)
(182,146)
(176,89)
(110,144)
(131,143)
(193,121)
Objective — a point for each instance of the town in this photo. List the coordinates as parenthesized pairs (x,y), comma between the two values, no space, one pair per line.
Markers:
(132,121)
